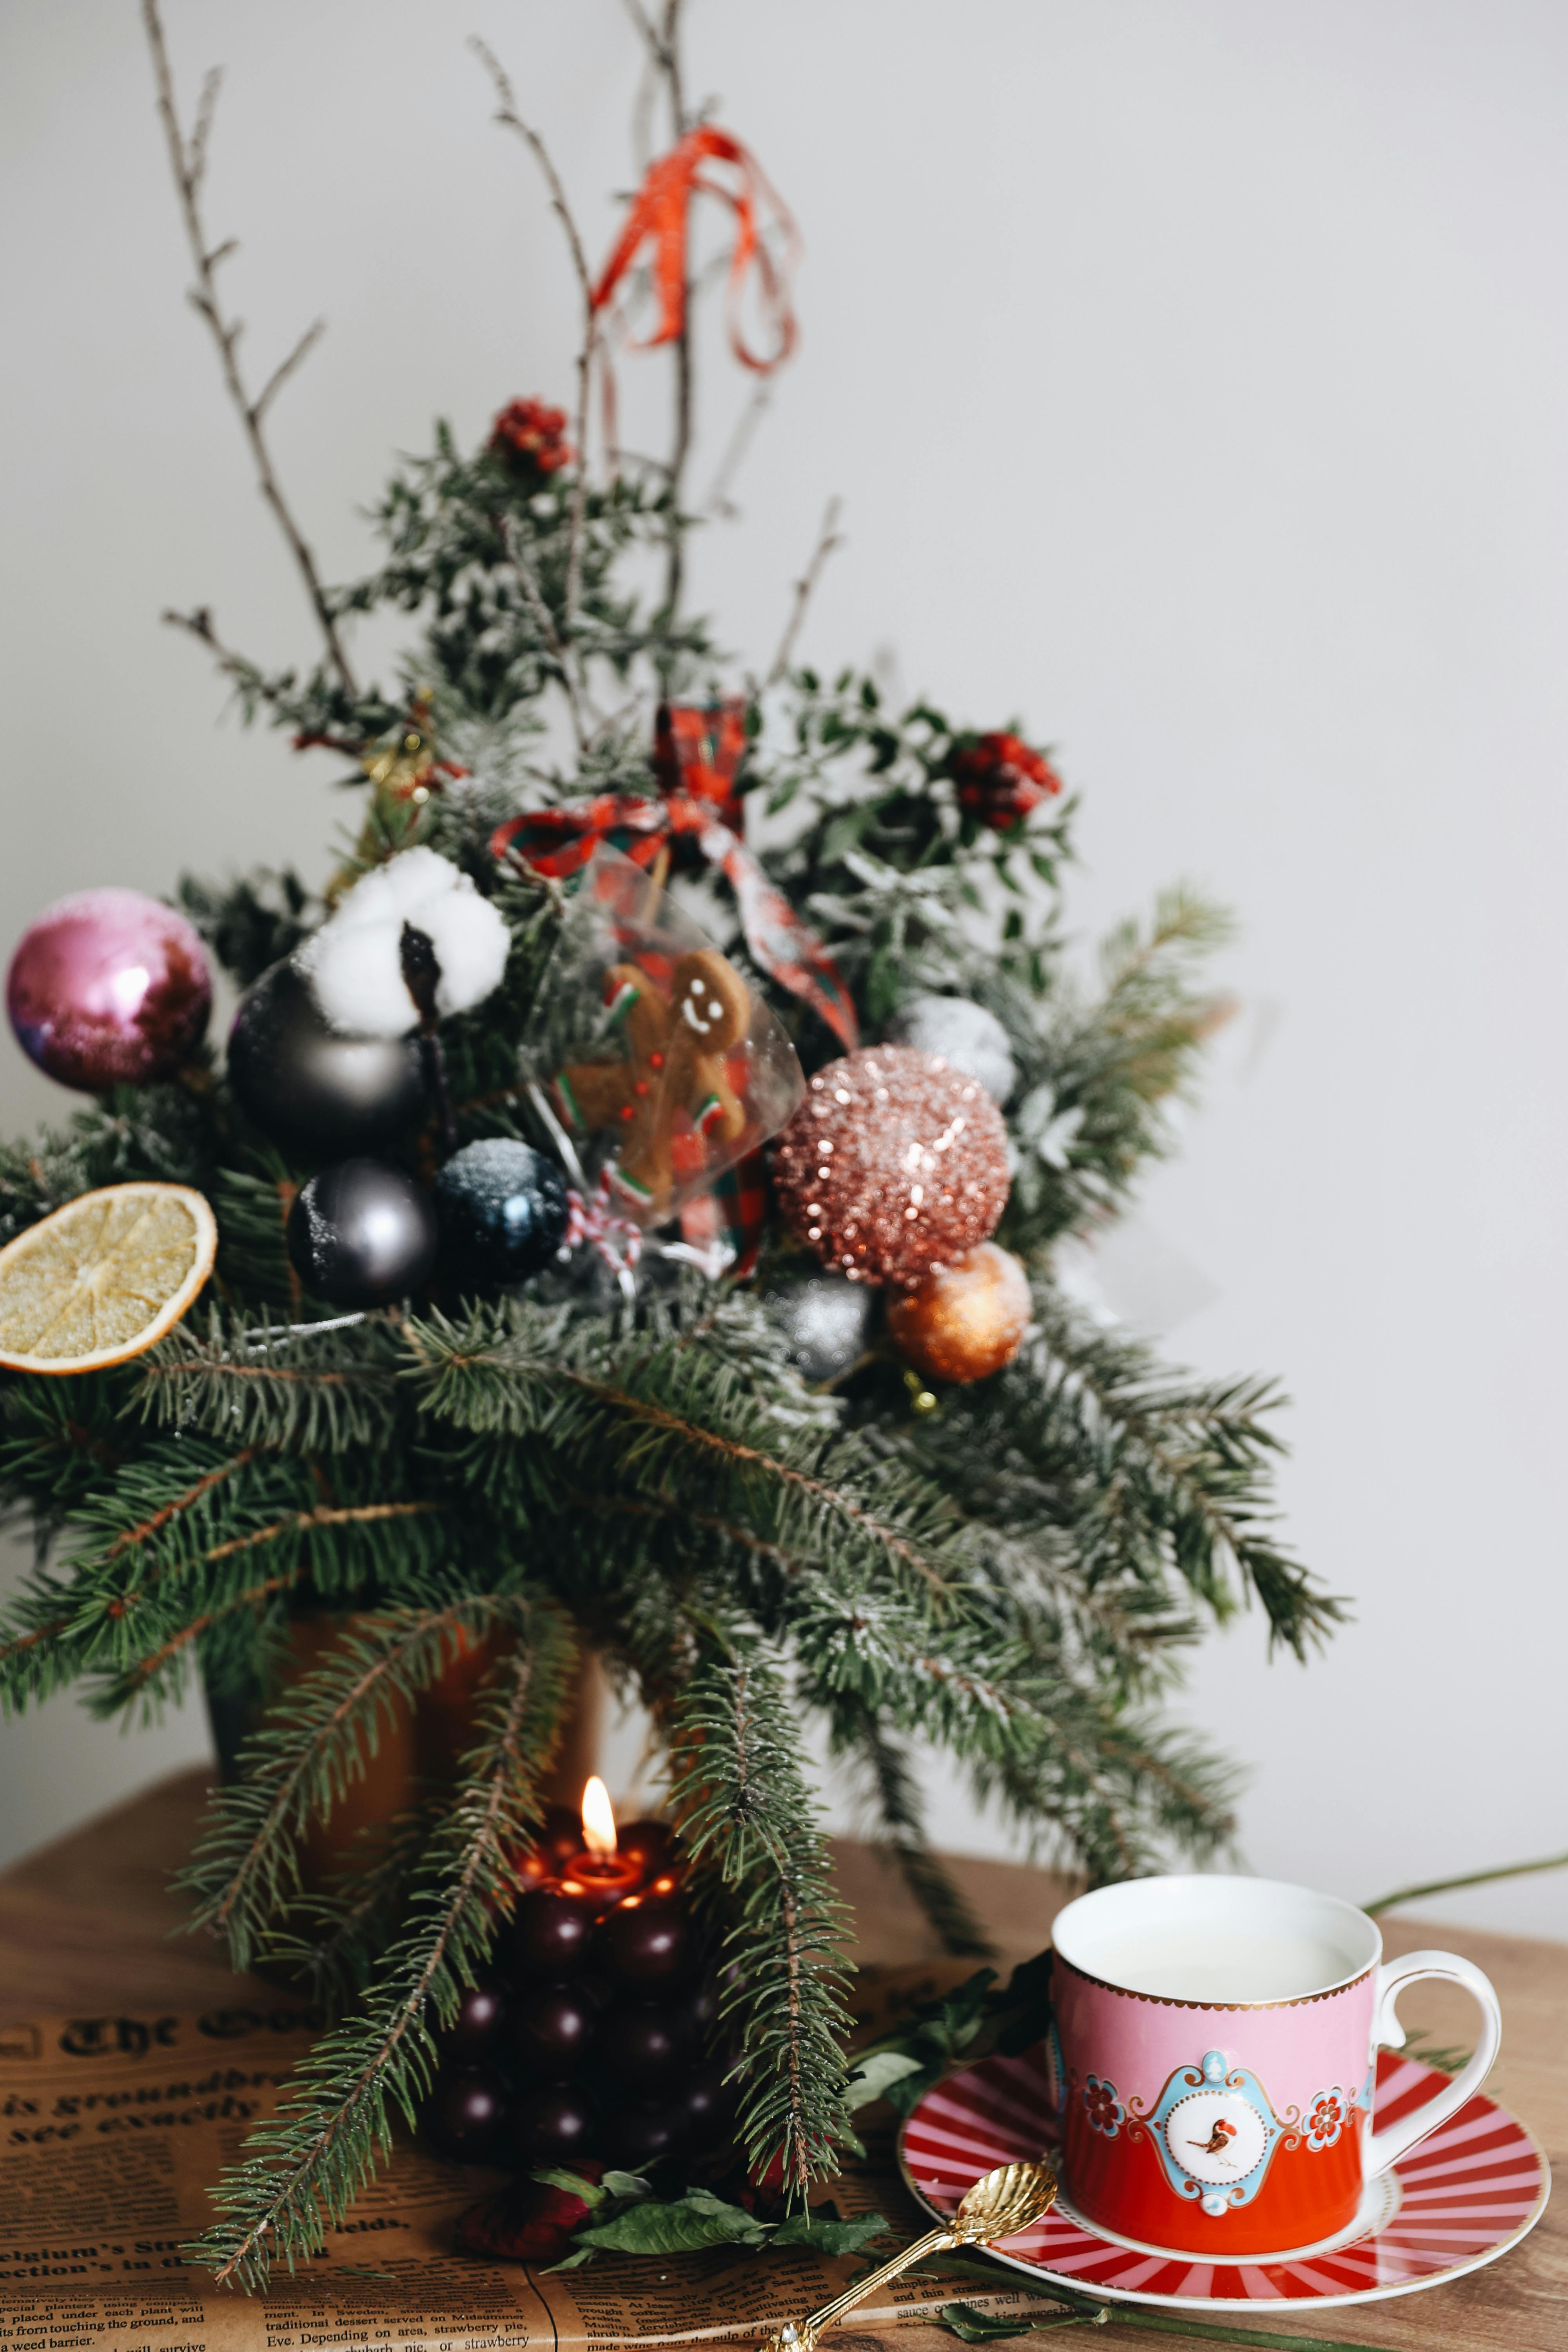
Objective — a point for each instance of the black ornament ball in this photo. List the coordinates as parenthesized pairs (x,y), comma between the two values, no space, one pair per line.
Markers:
(637,2135)
(546,2125)
(361,1233)
(647,1943)
(475,2028)
(552,2031)
(503,1211)
(465,2114)
(550,1933)
(645,2048)
(310,1088)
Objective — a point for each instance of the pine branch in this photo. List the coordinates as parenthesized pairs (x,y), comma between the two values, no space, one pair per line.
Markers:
(750,1825)
(664,1416)
(274,1390)
(896,1793)
(301,2171)
(318,1735)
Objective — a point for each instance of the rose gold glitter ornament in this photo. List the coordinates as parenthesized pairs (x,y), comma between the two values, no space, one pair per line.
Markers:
(893,1166)
(966,1322)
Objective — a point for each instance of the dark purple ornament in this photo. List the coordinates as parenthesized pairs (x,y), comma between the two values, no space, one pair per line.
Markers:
(644,2048)
(307,1087)
(552,2031)
(560,1834)
(108,988)
(475,2028)
(361,1234)
(647,1943)
(465,2113)
(546,2125)
(637,2135)
(549,1935)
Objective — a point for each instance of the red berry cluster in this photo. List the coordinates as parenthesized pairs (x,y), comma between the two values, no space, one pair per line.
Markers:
(1000,779)
(531,436)
(591,2036)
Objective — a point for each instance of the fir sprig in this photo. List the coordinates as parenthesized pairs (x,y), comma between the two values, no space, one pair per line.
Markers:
(752,1825)
(301,2170)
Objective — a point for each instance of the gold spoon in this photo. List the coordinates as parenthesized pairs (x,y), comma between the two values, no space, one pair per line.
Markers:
(998,2204)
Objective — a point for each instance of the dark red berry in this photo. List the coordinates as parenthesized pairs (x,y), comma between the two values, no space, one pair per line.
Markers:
(475,2028)
(552,2031)
(560,1835)
(545,2126)
(638,2136)
(710,2106)
(549,1934)
(702,2010)
(647,1943)
(648,1844)
(465,2113)
(644,2049)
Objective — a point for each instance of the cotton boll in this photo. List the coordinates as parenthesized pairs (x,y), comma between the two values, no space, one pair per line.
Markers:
(471,942)
(354,961)
(356,976)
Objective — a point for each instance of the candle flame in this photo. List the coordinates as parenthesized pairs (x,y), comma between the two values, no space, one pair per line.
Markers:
(598,1819)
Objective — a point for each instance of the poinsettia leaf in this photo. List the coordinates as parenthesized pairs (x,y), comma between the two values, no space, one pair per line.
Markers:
(875,2074)
(555,2176)
(829,2236)
(627,2184)
(682,2226)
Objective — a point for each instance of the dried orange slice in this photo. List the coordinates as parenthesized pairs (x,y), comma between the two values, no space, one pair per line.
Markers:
(102,1279)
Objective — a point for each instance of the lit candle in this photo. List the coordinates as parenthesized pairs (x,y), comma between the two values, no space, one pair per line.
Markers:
(599,1868)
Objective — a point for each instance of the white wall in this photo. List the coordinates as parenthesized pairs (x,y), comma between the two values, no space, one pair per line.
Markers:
(1195,377)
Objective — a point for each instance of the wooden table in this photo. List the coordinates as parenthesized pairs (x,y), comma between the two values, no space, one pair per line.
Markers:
(85,1925)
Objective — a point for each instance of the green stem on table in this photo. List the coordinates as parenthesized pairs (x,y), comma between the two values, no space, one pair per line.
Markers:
(972,2327)
(1472,1878)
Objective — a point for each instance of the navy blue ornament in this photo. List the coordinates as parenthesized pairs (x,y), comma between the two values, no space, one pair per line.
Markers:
(360,1234)
(503,1210)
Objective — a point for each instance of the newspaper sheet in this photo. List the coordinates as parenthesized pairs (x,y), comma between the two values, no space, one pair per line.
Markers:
(113,2128)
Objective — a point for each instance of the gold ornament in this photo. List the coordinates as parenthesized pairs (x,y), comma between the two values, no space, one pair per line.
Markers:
(966,1321)
(999,2205)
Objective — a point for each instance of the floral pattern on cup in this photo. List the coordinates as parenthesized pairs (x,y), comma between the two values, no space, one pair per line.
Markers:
(1101,2106)
(1326,2115)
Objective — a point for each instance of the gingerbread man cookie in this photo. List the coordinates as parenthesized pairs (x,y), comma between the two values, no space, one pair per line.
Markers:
(674,1062)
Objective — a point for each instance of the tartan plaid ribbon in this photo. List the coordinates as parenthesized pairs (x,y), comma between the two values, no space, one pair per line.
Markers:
(696,754)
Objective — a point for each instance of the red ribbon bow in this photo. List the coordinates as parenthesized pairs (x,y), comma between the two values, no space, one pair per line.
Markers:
(660,215)
(696,754)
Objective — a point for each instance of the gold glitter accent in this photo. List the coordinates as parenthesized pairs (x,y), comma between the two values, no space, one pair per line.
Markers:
(965,1321)
(894,1165)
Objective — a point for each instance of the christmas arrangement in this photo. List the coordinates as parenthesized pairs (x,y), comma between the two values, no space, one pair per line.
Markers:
(619,1226)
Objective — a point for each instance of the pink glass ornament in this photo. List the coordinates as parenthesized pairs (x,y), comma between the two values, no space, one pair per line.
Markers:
(106,987)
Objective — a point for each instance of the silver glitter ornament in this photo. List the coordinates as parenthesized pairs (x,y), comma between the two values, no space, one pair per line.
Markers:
(964,1034)
(824,1320)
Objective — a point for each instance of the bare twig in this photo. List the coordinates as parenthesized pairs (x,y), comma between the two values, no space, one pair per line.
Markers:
(545,621)
(188,161)
(670,65)
(805,588)
(716,501)
(508,116)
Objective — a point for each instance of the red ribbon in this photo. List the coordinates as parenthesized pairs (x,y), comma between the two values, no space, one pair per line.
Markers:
(696,754)
(660,216)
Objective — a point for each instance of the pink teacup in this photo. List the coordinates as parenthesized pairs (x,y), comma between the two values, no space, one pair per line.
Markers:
(1215,2041)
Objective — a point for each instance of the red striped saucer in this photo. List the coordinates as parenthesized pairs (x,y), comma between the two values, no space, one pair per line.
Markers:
(1457,2200)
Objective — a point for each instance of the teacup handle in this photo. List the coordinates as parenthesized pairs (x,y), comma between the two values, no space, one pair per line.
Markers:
(1386,2147)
